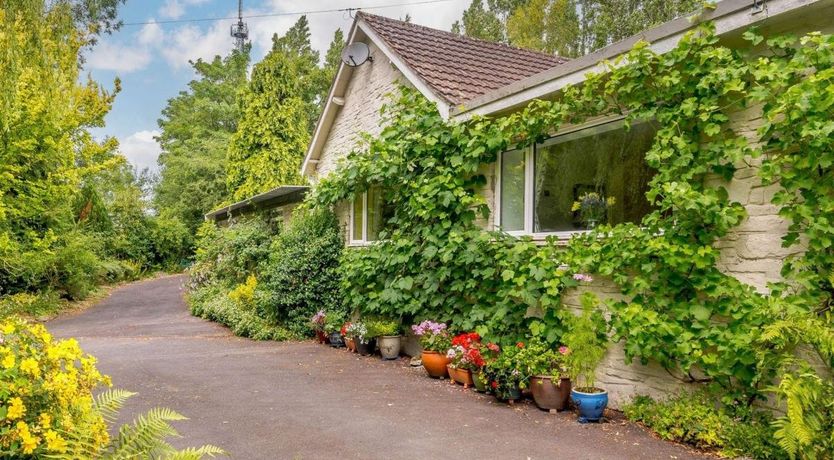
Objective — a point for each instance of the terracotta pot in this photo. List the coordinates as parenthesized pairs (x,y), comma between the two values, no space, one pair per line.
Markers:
(321,336)
(389,346)
(461,376)
(350,343)
(435,364)
(550,394)
(367,348)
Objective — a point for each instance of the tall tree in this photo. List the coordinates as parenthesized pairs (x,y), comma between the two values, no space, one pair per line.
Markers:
(566,27)
(46,148)
(296,47)
(551,26)
(332,60)
(197,126)
(267,149)
(479,22)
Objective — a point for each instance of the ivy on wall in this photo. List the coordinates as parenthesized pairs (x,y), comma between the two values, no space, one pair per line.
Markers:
(679,309)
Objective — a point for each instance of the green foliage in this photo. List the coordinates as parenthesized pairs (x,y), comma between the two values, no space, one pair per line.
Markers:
(677,307)
(692,418)
(301,274)
(197,126)
(228,255)
(504,372)
(566,27)
(382,327)
(47,150)
(539,358)
(586,338)
(213,303)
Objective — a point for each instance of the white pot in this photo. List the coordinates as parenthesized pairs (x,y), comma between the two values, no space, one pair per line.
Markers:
(389,346)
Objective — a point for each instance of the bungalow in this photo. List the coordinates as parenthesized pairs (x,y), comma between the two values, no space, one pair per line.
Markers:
(528,192)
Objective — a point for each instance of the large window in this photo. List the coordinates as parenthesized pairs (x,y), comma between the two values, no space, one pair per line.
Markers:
(368,216)
(576,181)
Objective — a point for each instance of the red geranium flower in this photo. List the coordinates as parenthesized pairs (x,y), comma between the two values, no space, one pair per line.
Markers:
(520,344)
(494,384)
(493,347)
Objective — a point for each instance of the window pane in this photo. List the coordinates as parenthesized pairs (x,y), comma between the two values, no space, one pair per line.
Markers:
(356,233)
(374,213)
(512,191)
(591,177)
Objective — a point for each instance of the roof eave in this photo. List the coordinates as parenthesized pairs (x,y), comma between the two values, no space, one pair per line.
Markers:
(361,29)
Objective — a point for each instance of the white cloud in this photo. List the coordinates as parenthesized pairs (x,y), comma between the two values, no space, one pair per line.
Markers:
(174,9)
(140,149)
(190,43)
(126,58)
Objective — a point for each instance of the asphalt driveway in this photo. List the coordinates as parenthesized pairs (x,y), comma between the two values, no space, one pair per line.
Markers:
(267,400)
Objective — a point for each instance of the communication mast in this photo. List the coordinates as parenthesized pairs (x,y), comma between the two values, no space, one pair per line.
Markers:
(240,31)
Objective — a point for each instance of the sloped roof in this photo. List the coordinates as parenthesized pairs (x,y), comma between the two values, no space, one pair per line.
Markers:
(458,68)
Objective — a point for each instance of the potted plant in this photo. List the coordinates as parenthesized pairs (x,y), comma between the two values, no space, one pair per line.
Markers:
(480,357)
(350,343)
(505,379)
(587,341)
(332,328)
(547,372)
(317,324)
(460,367)
(364,342)
(388,338)
(434,339)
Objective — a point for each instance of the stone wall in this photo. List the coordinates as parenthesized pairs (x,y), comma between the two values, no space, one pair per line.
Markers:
(752,253)
(368,90)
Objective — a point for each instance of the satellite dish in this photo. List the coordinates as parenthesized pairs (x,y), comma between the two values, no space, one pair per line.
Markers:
(356,54)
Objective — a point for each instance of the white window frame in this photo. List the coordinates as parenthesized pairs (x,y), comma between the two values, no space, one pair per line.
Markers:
(529,183)
(363,240)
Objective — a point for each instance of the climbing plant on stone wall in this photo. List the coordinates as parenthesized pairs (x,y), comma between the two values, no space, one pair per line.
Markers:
(678,309)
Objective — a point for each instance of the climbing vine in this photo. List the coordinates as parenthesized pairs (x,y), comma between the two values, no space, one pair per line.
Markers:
(678,308)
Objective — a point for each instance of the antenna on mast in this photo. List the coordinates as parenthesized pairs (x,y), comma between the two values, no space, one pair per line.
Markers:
(240,31)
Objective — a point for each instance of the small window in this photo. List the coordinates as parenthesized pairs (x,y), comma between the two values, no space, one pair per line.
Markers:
(577,181)
(369,215)
(512,191)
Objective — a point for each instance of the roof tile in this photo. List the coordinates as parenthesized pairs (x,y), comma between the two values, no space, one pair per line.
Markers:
(456,67)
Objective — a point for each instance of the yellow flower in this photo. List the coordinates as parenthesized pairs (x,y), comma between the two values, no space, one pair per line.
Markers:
(8,361)
(27,441)
(16,409)
(30,366)
(39,331)
(54,442)
(8,328)
(46,420)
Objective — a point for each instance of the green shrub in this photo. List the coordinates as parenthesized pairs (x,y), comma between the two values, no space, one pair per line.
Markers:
(693,418)
(301,275)
(77,268)
(32,305)
(230,254)
(214,303)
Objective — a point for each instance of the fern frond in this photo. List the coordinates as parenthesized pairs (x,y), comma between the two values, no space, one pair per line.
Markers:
(145,436)
(110,402)
(196,453)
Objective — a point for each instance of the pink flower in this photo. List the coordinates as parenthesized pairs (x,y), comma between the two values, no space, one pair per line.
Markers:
(583,277)
(564,350)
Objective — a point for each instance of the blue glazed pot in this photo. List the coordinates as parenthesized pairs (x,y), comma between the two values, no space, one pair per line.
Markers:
(590,405)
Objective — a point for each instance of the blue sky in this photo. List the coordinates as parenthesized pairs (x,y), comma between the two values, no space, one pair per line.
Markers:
(152,59)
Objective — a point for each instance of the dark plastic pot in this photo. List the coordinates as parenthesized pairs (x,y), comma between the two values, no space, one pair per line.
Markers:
(512,394)
(591,405)
(550,393)
(365,349)
(336,339)
(479,382)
